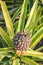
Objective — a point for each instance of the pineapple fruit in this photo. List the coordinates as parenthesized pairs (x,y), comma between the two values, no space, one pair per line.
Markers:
(22,40)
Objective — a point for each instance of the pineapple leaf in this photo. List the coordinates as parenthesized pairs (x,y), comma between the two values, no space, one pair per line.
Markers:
(7,18)
(35,54)
(5,37)
(1,57)
(39,48)
(28,61)
(16,62)
(22,16)
(36,38)
(37,17)
(16,13)
(32,15)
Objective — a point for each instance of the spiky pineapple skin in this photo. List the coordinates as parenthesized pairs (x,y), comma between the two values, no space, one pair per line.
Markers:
(22,40)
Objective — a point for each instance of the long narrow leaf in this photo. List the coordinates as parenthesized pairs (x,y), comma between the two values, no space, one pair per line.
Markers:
(36,38)
(22,16)
(7,49)
(28,61)
(16,13)
(32,14)
(39,49)
(36,20)
(16,62)
(1,57)
(32,53)
(8,21)
(5,37)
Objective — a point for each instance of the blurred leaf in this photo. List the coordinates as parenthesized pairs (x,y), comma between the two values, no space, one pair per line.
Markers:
(11,12)
(41,19)
(36,20)
(8,21)
(22,16)
(39,49)
(30,4)
(16,62)
(16,13)
(15,23)
(41,25)
(7,49)
(1,57)
(5,59)
(32,53)
(32,14)
(5,37)
(36,38)
(2,42)
(15,26)
(28,61)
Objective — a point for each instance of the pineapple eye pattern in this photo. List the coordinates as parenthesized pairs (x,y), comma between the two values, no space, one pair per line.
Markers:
(22,41)
(40,3)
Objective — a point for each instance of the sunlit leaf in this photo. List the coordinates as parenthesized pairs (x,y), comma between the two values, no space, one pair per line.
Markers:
(16,14)
(36,38)
(22,16)
(39,49)
(16,62)
(32,14)
(7,18)
(1,57)
(28,61)
(5,37)
(32,53)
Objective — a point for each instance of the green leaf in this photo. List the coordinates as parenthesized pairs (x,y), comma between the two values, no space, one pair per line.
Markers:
(16,13)
(32,53)
(39,49)
(1,57)
(5,37)
(28,61)
(11,12)
(7,52)
(41,19)
(36,38)
(16,62)
(42,1)
(15,25)
(41,25)
(7,49)
(7,18)
(22,16)
(37,17)
(32,14)
(30,4)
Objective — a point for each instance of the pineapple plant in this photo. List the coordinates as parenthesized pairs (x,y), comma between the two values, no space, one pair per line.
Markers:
(21,37)
(22,40)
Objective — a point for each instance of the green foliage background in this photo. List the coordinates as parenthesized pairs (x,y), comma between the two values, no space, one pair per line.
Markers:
(16,16)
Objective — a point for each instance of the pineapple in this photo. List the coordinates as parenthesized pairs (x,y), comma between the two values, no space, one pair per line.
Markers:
(22,40)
